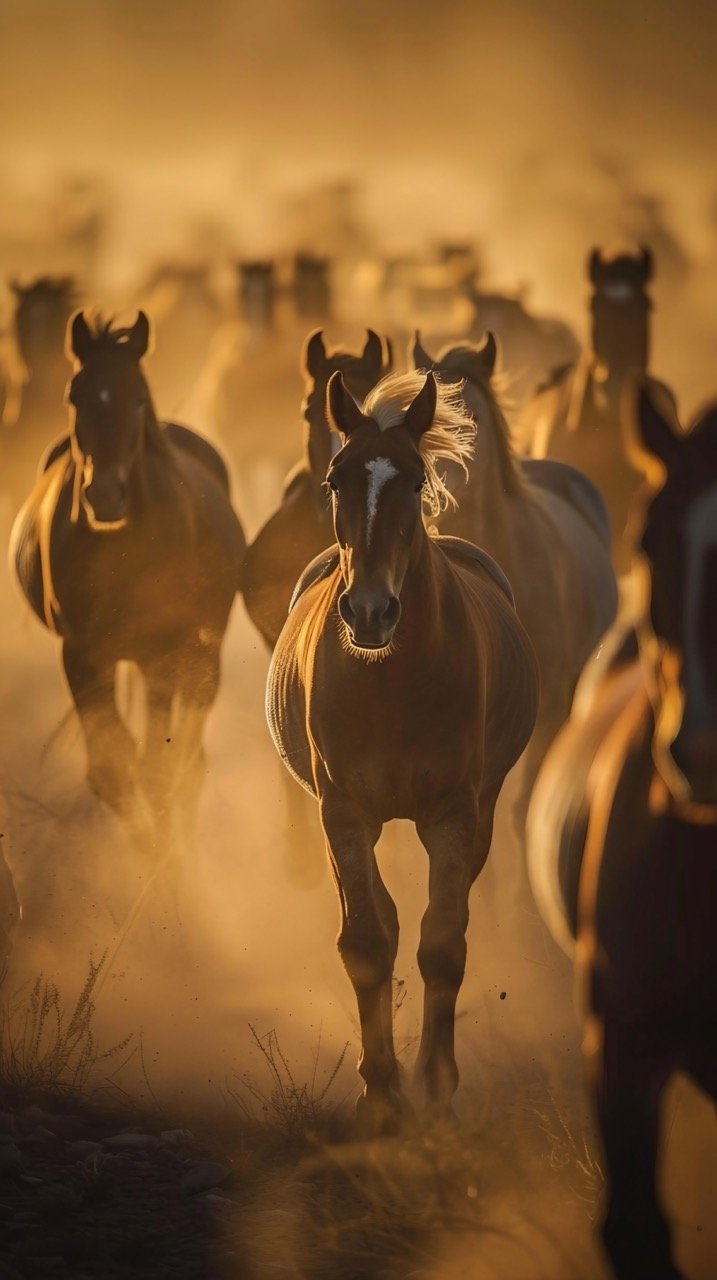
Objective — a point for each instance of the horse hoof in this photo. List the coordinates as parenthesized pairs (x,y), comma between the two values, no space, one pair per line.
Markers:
(382,1115)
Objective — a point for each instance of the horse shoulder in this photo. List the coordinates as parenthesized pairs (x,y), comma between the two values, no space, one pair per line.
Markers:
(39,524)
(197,447)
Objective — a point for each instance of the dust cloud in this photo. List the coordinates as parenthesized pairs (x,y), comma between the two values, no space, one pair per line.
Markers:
(142,135)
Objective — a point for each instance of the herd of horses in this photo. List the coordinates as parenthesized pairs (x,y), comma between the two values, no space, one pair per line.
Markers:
(439,596)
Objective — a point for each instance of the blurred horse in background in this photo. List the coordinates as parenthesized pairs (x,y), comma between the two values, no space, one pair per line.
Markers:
(301,526)
(577,415)
(35,379)
(622,836)
(129,550)
(546,526)
(402,686)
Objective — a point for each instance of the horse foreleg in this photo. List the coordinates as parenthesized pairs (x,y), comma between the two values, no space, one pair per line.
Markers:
(457,846)
(368,939)
(635,1231)
(111,749)
(197,690)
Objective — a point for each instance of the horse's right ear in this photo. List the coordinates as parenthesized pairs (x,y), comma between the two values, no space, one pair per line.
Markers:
(419,355)
(342,410)
(314,353)
(138,337)
(595,266)
(80,338)
(422,410)
(657,435)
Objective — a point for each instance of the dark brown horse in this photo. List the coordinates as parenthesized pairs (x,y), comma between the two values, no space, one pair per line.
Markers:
(128,549)
(546,526)
(301,526)
(623,838)
(578,415)
(402,686)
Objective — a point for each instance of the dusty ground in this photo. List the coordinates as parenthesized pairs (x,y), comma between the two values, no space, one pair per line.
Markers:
(512,1194)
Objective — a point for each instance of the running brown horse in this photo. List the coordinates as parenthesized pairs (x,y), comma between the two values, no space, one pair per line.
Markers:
(402,686)
(546,525)
(577,416)
(301,526)
(128,549)
(623,837)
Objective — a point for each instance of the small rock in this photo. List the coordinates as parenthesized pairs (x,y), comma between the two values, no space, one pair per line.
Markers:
(173,1137)
(218,1202)
(10,1160)
(203,1176)
(83,1148)
(40,1134)
(131,1142)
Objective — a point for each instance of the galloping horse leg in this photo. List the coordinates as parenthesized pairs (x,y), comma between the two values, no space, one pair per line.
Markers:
(457,846)
(367,942)
(111,749)
(197,688)
(635,1232)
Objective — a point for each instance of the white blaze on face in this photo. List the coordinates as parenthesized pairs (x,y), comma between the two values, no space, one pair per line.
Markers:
(701,539)
(379,471)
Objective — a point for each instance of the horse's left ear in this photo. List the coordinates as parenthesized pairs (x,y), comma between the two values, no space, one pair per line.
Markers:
(138,337)
(487,353)
(422,410)
(373,352)
(342,410)
(418,353)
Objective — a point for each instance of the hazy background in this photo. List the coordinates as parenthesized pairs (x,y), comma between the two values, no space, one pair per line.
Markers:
(136,131)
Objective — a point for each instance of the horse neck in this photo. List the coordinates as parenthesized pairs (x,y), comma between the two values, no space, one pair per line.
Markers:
(422,594)
(484,512)
(620,347)
(318,436)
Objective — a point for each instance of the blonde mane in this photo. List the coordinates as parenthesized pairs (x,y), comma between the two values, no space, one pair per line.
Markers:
(450,436)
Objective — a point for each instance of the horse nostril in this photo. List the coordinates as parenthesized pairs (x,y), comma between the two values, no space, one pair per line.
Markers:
(345,609)
(391,612)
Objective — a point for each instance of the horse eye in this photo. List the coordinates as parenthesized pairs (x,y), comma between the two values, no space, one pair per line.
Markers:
(419,486)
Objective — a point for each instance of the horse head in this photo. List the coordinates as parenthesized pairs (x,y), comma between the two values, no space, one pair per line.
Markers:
(620,307)
(379,479)
(112,411)
(360,373)
(677,562)
(42,310)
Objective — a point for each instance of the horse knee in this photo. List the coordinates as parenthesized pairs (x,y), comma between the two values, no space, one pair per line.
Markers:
(442,959)
(367,957)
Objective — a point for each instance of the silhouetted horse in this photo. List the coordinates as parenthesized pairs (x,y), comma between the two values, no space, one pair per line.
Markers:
(301,526)
(257,298)
(577,415)
(36,378)
(546,526)
(623,839)
(128,548)
(531,346)
(403,686)
(312,288)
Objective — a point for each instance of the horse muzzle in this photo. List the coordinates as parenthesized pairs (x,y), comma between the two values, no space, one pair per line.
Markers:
(106,503)
(370,618)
